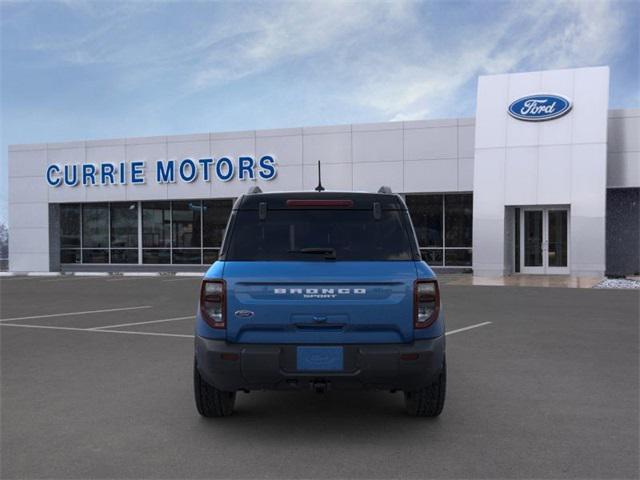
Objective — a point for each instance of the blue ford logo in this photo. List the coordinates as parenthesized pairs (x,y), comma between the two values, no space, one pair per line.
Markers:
(243,313)
(319,358)
(536,108)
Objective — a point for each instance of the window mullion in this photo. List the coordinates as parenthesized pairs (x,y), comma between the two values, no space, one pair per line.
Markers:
(81,233)
(443,232)
(139,233)
(109,232)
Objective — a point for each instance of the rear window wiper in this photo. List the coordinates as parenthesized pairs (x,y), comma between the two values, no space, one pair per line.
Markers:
(328,252)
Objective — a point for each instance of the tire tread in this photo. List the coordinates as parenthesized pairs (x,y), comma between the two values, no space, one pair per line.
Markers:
(211,402)
(428,401)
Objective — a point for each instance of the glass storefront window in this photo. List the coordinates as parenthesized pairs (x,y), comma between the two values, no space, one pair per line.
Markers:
(186,224)
(210,255)
(533,238)
(180,232)
(124,225)
(444,221)
(458,211)
(558,241)
(191,231)
(95,225)
(433,256)
(124,232)
(156,224)
(70,255)
(426,215)
(186,255)
(215,214)
(127,255)
(156,255)
(457,257)
(70,226)
(70,238)
(91,255)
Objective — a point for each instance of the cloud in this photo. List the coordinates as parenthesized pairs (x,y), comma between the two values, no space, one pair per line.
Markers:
(393,58)
(220,42)
(293,31)
(93,33)
(528,36)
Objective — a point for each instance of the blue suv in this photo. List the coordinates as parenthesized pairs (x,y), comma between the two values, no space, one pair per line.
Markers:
(319,290)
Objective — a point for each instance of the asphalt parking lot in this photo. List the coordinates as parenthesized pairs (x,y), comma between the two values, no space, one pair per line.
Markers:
(96,383)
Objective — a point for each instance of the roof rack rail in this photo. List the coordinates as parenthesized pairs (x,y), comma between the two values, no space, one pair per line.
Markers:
(254,189)
(384,189)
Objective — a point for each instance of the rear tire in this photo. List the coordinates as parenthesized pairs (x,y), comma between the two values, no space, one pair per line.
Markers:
(210,401)
(428,401)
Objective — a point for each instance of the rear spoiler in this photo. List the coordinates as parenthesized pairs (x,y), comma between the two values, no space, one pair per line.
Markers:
(383,189)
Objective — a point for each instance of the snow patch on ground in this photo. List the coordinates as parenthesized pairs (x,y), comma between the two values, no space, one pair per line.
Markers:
(618,283)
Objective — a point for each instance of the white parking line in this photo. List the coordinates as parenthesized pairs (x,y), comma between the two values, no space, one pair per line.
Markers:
(451,332)
(124,279)
(180,279)
(144,323)
(157,334)
(72,278)
(68,314)
(126,332)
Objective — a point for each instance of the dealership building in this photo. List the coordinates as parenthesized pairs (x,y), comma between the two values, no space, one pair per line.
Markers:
(544,180)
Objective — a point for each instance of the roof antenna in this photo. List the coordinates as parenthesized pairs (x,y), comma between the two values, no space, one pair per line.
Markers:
(319,188)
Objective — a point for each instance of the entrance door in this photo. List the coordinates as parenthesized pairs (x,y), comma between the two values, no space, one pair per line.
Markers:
(544,242)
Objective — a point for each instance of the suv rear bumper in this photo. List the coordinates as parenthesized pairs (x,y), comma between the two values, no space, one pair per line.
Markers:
(232,366)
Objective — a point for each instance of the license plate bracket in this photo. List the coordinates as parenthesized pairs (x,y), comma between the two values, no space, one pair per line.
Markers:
(320,359)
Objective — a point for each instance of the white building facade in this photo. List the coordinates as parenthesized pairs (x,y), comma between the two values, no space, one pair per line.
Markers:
(545,179)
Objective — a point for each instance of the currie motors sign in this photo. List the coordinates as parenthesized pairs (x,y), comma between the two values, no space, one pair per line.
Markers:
(187,170)
(540,107)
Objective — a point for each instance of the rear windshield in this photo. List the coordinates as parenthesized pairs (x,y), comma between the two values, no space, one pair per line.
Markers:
(319,235)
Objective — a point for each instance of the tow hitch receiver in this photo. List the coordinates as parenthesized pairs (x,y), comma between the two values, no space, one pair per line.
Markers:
(319,386)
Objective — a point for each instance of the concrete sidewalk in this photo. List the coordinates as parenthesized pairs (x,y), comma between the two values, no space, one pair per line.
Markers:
(519,280)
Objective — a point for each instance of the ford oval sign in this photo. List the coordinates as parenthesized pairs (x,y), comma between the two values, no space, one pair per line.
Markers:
(536,108)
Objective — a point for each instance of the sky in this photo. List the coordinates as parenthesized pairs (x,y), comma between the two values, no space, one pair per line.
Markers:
(77,70)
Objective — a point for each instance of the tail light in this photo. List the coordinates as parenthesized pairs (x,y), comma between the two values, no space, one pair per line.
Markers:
(426,303)
(213,302)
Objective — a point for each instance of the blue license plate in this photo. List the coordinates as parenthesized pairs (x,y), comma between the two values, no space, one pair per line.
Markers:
(320,359)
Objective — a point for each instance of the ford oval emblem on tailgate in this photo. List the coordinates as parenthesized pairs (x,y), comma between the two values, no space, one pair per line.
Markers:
(243,313)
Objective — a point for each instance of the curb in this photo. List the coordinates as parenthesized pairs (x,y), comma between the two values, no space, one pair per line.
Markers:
(89,274)
(140,274)
(102,274)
